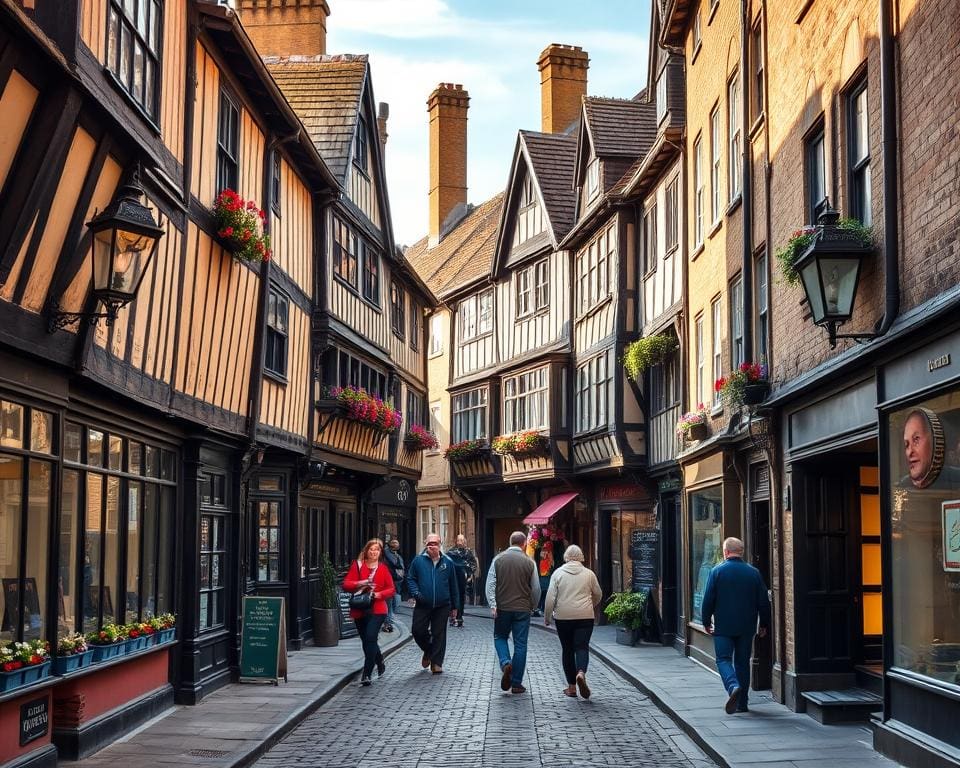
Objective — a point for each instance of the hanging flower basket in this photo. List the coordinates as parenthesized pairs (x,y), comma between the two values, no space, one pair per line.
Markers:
(732,388)
(693,425)
(520,444)
(358,405)
(240,227)
(420,439)
(754,394)
(466,450)
(643,353)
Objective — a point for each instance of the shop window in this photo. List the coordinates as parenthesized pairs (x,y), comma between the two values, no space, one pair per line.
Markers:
(924,478)
(212,570)
(268,540)
(706,541)
(133,50)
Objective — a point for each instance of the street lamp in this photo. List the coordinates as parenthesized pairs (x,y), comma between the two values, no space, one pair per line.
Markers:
(125,237)
(829,269)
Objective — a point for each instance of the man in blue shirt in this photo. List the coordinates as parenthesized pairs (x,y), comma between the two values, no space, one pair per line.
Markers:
(734,600)
(432,581)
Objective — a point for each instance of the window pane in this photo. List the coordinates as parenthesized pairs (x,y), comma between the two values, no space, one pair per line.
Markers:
(706,510)
(67,551)
(11,478)
(11,425)
(116,453)
(91,552)
(111,549)
(41,431)
(149,533)
(38,538)
(134,533)
(165,548)
(94,448)
(72,440)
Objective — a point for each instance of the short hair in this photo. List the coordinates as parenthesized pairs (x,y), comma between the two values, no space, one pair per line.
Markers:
(732,544)
(573,552)
(518,539)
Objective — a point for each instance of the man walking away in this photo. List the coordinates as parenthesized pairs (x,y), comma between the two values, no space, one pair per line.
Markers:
(466,563)
(432,582)
(513,591)
(394,562)
(734,599)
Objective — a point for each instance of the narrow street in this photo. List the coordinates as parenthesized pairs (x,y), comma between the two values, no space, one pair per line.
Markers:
(413,719)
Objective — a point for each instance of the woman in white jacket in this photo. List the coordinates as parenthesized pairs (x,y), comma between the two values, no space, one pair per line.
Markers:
(572,598)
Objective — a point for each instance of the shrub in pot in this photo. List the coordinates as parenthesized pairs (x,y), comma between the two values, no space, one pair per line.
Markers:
(326,609)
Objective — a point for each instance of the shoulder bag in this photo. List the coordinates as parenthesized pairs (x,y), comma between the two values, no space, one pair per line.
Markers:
(362,600)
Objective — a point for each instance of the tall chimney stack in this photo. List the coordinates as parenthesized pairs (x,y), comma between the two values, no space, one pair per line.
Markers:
(563,84)
(286,27)
(447,107)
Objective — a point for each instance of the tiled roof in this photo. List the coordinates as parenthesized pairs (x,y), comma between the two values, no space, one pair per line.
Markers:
(325,93)
(464,254)
(553,157)
(624,127)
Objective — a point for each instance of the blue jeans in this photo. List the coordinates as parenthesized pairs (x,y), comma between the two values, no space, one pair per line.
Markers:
(733,663)
(392,604)
(368,627)
(517,623)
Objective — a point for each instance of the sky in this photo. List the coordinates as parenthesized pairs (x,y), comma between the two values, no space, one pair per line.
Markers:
(491,48)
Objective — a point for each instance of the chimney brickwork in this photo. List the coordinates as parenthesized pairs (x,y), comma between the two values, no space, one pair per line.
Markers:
(563,84)
(447,107)
(286,27)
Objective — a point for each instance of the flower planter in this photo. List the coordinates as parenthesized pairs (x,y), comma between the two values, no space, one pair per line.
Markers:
(11,680)
(754,394)
(64,664)
(35,672)
(165,635)
(111,651)
(697,432)
(138,643)
(627,636)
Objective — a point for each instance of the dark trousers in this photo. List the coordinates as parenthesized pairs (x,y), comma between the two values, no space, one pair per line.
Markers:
(574,637)
(733,664)
(369,628)
(462,586)
(430,631)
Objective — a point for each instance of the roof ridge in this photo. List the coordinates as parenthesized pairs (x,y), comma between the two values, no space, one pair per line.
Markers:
(322,58)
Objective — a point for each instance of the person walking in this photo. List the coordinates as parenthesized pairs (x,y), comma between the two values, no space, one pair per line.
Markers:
(366,574)
(432,582)
(394,562)
(513,591)
(572,598)
(466,563)
(734,601)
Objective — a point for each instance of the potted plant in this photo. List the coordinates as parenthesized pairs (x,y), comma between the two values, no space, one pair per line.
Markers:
(748,385)
(629,611)
(137,636)
(357,404)
(240,227)
(418,438)
(326,608)
(466,450)
(788,256)
(163,627)
(72,653)
(643,353)
(23,663)
(693,424)
(108,642)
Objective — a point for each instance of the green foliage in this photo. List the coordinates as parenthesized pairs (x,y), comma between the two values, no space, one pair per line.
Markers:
(650,350)
(801,239)
(326,596)
(627,609)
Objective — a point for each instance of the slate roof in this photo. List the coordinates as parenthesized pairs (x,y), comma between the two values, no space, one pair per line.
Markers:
(553,159)
(465,253)
(620,127)
(325,93)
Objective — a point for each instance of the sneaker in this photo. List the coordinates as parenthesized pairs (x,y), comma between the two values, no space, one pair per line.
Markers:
(425,660)
(518,689)
(582,685)
(364,680)
(505,677)
(731,706)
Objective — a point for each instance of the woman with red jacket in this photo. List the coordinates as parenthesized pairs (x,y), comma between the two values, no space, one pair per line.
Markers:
(369,574)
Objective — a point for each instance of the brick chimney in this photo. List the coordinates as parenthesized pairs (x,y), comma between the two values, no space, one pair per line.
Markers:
(383,114)
(286,27)
(563,83)
(447,107)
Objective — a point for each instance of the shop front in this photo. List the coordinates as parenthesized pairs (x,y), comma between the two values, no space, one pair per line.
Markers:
(392,513)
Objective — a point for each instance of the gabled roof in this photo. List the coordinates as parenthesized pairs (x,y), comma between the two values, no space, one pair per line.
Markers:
(552,158)
(464,255)
(616,127)
(325,92)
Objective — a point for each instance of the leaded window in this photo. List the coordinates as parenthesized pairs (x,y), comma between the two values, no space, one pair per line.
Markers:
(134,36)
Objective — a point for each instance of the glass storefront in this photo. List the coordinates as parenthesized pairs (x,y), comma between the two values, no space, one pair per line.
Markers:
(706,540)
(924,482)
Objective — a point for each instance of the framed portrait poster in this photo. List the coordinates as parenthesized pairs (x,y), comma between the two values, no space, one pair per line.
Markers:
(951,535)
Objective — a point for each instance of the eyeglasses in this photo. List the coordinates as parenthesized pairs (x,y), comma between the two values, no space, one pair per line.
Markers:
(433,543)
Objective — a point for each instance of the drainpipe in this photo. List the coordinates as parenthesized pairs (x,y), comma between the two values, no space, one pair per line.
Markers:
(746,185)
(888,108)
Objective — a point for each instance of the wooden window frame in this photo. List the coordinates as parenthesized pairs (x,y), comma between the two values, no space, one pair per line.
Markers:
(734,137)
(371,275)
(698,223)
(398,309)
(716,154)
(716,346)
(228,142)
(701,360)
(593,393)
(736,324)
(345,256)
(470,414)
(815,160)
(859,175)
(521,389)
(761,293)
(145,31)
(671,216)
(362,146)
(276,182)
(276,340)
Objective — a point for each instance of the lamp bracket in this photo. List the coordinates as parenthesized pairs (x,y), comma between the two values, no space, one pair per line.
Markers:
(59,319)
(860,338)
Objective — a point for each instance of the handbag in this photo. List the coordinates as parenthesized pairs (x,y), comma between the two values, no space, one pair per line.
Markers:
(361,600)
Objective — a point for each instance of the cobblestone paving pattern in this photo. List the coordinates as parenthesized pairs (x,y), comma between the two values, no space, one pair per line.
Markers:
(411,718)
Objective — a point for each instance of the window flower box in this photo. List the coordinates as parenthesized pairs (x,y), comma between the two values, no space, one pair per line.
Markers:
(240,227)
(358,405)
(23,663)
(467,450)
(111,651)
(164,628)
(419,439)
(64,664)
(733,387)
(108,642)
(521,444)
(693,425)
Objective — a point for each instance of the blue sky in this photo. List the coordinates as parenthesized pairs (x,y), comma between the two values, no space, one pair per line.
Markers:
(491,48)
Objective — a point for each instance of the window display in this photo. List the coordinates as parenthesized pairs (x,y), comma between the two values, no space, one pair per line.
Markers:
(706,540)
(924,474)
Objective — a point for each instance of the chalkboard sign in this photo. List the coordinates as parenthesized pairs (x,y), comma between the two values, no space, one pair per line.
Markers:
(645,553)
(263,646)
(347,626)
(34,720)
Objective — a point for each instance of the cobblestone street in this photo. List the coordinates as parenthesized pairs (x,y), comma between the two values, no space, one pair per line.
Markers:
(413,719)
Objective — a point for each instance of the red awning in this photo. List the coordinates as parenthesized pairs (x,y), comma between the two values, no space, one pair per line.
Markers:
(549,508)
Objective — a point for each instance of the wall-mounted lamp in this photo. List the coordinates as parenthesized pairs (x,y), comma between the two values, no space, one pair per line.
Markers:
(830,271)
(125,237)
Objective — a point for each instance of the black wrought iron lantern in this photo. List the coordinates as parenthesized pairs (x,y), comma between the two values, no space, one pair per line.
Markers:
(829,269)
(125,238)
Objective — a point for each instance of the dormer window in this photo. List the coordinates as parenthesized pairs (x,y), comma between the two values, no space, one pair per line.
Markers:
(360,152)
(529,216)
(593,179)
(661,96)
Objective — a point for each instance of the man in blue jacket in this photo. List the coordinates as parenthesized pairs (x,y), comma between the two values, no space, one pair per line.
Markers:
(432,582)
(734,599)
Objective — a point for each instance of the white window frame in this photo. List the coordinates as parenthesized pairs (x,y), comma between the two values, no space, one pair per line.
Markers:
(593,179)
(698,192)
(715,156)
(425,525)
(475,315)
(526,400)
(734,133)
(469,419)
(672,215)
(593,393)
(436,335)
(593,270)
(436,422)
(701,359)
(443,526)
(736,324)
(716,317)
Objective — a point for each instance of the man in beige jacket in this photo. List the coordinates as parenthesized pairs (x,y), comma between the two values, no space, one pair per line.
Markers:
(572,598)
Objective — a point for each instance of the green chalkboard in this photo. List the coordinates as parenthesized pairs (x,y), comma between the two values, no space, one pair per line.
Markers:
(263,647)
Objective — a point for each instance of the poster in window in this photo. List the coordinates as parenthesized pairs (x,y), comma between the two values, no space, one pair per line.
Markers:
(951,535)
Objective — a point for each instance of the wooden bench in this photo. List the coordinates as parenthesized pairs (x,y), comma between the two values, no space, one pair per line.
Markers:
(849,705)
